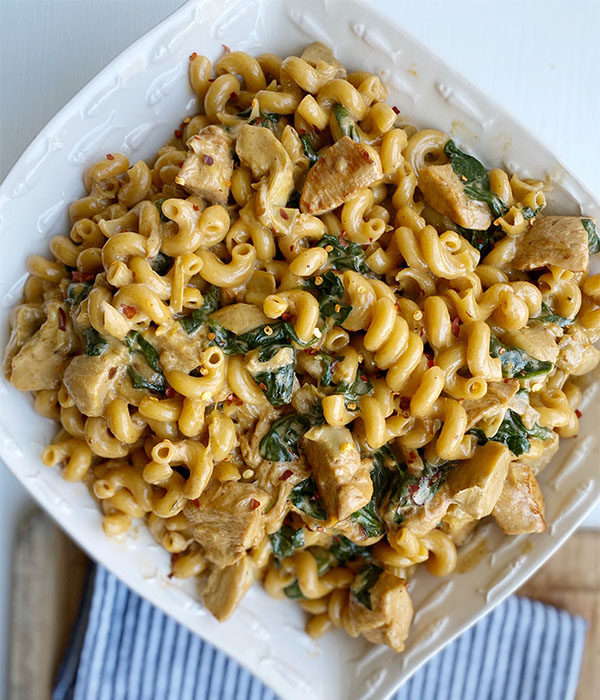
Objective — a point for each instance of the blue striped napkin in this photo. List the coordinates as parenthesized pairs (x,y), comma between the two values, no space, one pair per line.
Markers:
(123,648)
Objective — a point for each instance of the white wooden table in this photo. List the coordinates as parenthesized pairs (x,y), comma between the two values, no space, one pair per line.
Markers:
(538,58)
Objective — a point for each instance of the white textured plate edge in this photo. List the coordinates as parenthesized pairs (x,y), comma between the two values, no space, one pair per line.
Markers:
(374,675)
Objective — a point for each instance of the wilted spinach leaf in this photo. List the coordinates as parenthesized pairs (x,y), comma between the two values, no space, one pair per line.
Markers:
(364,581)
(516,362)
(483,241)
(95,344)
(513,434)
(277,384)
(309,150)
(269,334)
(158,204)
(161,263)
(325,561)
(281,443)
(285,541)
(136,342)
(77,292)
(593,240)
(306,497)
(345,122)
(546,315)
(346,550)
(385,466)
(156,383)
(474,177)
(210,303)
(329,291)
(345,255)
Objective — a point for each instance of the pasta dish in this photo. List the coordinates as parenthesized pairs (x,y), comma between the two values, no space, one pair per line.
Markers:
(308,343)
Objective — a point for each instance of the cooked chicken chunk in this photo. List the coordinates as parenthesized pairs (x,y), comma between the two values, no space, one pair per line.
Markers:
(240,318)
(426,517)
(25,320)
(89,379)
(537,341)
(337,176)
(227,520)
(343,480)
(225,588)
(476,484)
(576,355)
(458,525)
(554,240)
(208,167)
(39,364)
(520,508)
(443,190)
(497,397)
(388,622)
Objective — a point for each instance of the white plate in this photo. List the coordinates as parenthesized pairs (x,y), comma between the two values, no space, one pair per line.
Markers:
(132,106)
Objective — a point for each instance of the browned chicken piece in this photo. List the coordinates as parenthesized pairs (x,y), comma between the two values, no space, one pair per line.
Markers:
(497,397)
(316,52)
(520,508)
(208,167)
(388,621)
(40,362)
(225,588)
(458,525)
(25,320)
(338,175)
(240,318)
(476,484)
(576,355)
(554,240)
(443,190)
(424,518)
(227,520)
(178,350)
(538,341)
(88,379)
(343,479)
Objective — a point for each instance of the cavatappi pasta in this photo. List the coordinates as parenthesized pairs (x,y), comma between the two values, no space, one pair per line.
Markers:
(308,343)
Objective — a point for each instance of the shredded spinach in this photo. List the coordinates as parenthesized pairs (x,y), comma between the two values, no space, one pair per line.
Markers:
(77,292)
(306,497)
(483,241)
(345,255)
(364,581)
(548,316)
(309,151)
(593,238)
(359,387)
(277,384)
(158,204)
(329,292)
(294,200)
(156,383)
(368,517)
(345,122)
(210,303)
(285,541)
(269,334)
(513,434)
(475,179)
(95,344)
(529,213)
(136,343)
(346,550)
(266,119)
(281,443)
(161,263)
(516,362)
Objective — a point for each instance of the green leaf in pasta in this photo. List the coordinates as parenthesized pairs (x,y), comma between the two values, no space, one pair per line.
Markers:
(77,292)
(516,362)
(286,541)
(306,497)
(593,239)
(363,582)
(277,384)
(513,433)
(475,179)
(198,317)
(158,204)
(346,550)
(269,334)
(345,123)
(161,263)
(546,315)
(95,344)
(309,151)
(483,241)
(345,255)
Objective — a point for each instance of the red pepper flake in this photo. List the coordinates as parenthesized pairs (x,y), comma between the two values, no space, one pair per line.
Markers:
(396,109)
(254,504)
(286,475)
(233,95)
(421,332)
(226,48)
(259,121)
(292,248)
(197,502)
(129,311)
(180,164)
(263,386)
(109,156)
(237,401)
(343,233)
(170,392)
(284,214)
(370,239)
(207,160)
(315,497)
(193,56)
(578,413)
(430,362)
(363,377)
(62,319)
(78,276)
(456,327)
(174,557)
(177,133)
(286,316)
(196,207)
(412,455)
(211,80)
(316,129)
